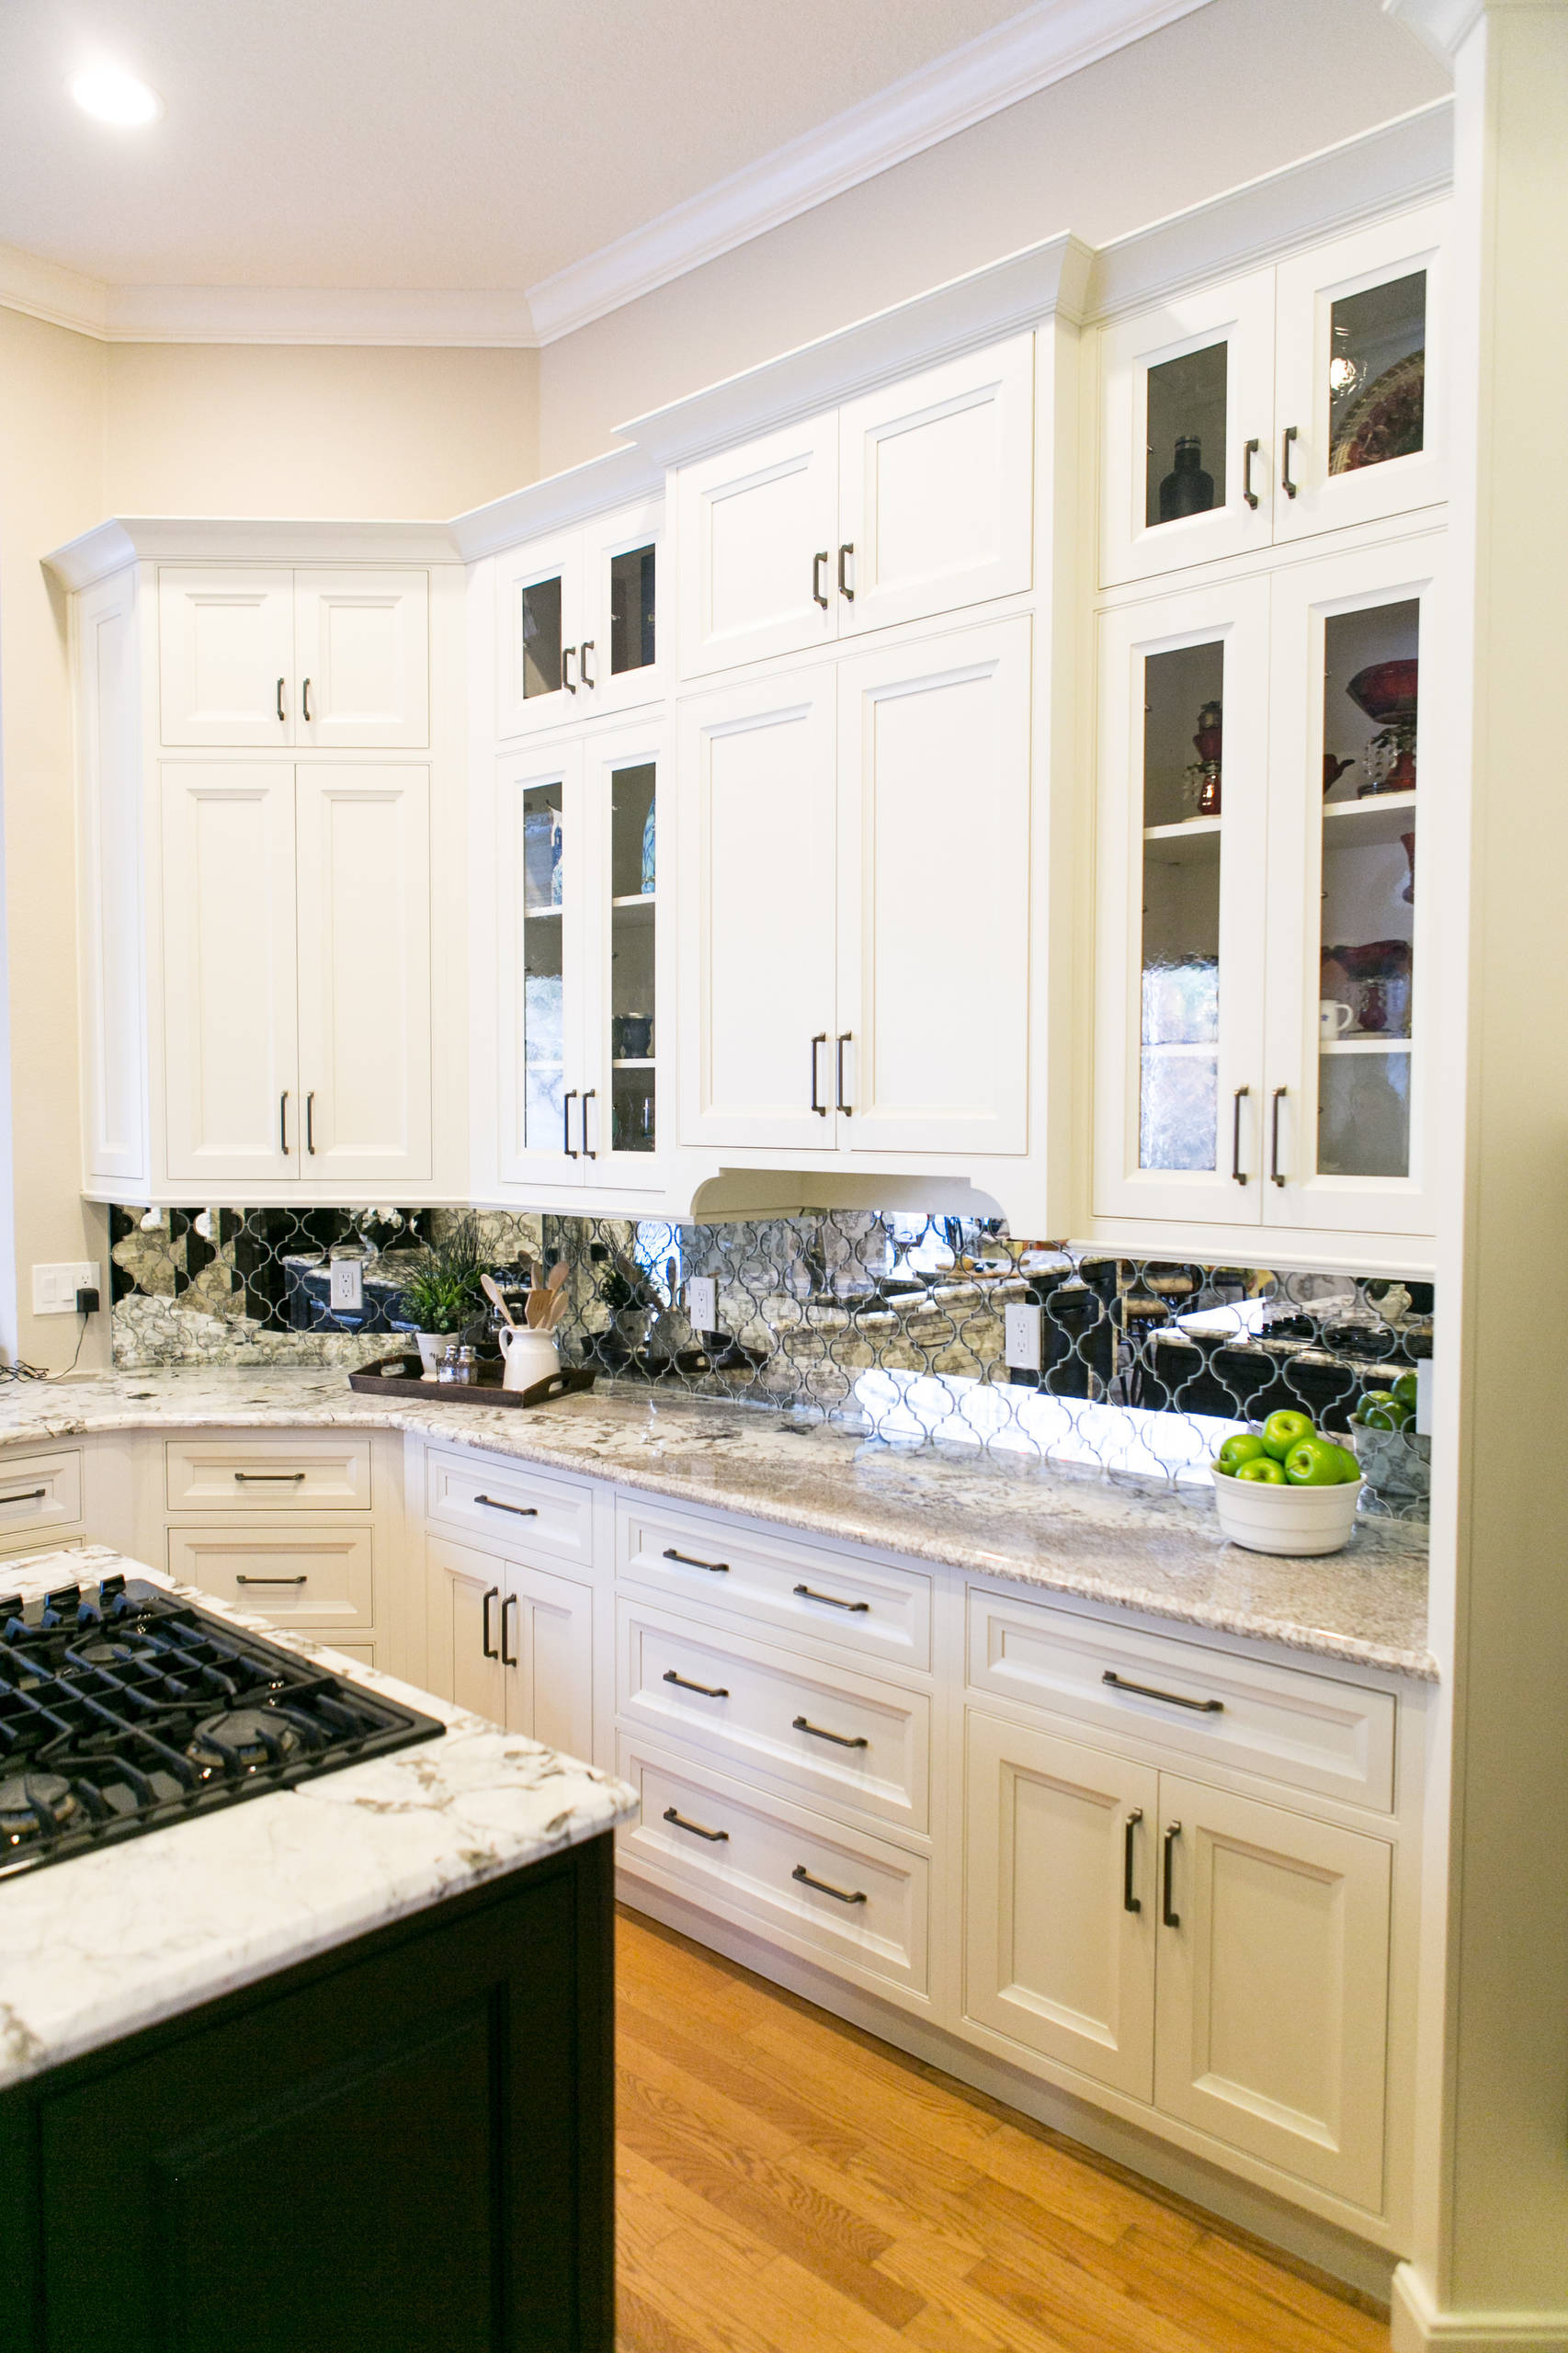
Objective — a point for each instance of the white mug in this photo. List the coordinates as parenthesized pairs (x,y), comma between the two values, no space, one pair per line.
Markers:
(1334,1016)
(530,1356)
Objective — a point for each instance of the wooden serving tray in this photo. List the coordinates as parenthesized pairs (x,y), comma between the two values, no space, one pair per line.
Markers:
(372,1381)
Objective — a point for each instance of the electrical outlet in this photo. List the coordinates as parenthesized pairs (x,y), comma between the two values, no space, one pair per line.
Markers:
(349,1284)
(702,1302)
(55,1288)
(1020,1335)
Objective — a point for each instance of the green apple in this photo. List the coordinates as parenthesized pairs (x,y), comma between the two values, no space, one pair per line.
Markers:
(1383,1409)
(1245,1446)
(1405,1389)
(1348,1467)
(1316,1462)
(1264,1470)
(1283,1430)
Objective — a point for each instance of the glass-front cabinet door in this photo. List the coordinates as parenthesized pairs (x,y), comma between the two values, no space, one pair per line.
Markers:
(1352,987)
(539,605)
(541,861)
(628,949)
(620,663)
(1187,409)
(1359,378)
(1181,850)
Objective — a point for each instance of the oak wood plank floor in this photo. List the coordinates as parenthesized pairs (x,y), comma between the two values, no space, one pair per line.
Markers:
(788,2184)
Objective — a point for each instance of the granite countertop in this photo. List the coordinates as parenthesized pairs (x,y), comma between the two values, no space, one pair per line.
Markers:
(109,1943)
(1143,1547)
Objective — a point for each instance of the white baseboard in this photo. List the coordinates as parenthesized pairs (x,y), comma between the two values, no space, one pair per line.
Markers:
(1417,2322)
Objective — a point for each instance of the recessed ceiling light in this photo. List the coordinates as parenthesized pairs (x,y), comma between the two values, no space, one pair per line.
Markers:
(109,95)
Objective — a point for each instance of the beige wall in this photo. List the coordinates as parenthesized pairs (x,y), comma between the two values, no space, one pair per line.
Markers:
(1235,90)
(259,429)
(86,430)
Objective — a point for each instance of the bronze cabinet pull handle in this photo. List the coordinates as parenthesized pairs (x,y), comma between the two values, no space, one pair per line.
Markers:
(566,1102)
(1237,1171)
(568,654)
(817,562)
(844,552)
(583,653)
(1171,1699)
(1279,1095)
(30,1496)
(832,1601)
(269,1477)
(826,1887)
(1172,1919)
(708,1690)
(283,1123)
(718,1836)
(508,1658)
(485,1643)
(240,1579)
(819,1107)
(1286,485)
(305,701)
(844,1038)
(587,1097)
(282,714)
(521,1511)
(311,1122)
(1129,1902)
(839,1739)
(689,1561)
(1249,451)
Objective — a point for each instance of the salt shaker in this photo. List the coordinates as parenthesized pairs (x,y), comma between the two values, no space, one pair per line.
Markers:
(467,1367)
(448,1368)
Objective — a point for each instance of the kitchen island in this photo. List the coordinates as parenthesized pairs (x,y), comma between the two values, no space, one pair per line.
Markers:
(338,2058)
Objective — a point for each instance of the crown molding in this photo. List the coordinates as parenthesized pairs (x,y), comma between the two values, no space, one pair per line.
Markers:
(618,479)
(1404,162)
(1004,298)
(1440,25)
(1047,44)
(429,318)
(201,539)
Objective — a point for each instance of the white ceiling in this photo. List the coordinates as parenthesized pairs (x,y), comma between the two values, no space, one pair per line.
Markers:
(429,143)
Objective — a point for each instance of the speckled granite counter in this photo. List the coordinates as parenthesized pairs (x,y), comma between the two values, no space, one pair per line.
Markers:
(1145,1549)
(98,1947)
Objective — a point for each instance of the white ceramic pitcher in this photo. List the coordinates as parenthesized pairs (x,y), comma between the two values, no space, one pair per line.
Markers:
(530,1356)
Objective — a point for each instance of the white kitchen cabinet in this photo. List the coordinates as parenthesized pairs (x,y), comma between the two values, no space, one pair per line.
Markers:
(1060,1911)
(910,501)
(577,622)
(1271,2028)
(364,881)
(266,656)
(1296,400)
(1263,976)
(581,959)
(863,831)
(758,981)
(512,1641)
(296,1046)
(230,972)
(315,1579)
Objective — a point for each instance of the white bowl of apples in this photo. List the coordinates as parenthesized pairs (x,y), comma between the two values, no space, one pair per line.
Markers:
(1285,1487)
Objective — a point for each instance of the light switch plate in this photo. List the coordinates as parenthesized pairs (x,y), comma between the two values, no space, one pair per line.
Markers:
(1020,1335)
(347,1283)
(55,1288)
(702,1302)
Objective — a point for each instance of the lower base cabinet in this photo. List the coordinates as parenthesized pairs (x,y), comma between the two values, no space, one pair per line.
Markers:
(512,1643)
(1225,1959)
(406,2143)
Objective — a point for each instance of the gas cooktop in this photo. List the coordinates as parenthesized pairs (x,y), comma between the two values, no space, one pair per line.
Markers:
(124,1709)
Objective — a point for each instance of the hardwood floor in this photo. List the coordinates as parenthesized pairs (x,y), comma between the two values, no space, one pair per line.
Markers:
(788,2184)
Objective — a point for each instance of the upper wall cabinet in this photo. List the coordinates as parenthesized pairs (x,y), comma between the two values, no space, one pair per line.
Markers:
(910,501)
(1289,402)
(265,657)
(578,623)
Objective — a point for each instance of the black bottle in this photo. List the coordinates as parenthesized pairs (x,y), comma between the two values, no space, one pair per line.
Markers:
(1187,489)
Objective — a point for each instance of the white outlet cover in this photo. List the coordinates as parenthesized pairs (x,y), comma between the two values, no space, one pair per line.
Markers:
(1021,1336)
(55,1288)
(347,1283)
(702,1302)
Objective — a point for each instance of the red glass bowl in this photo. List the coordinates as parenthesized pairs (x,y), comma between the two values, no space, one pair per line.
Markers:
(1387,690)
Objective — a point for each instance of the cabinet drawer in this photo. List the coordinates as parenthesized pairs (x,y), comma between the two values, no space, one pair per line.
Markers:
(296,1576)
(510,1505)
(39,1491)
(754,1859)
(788,1590)
(824,1735)
(1286,1724)
(272,1474)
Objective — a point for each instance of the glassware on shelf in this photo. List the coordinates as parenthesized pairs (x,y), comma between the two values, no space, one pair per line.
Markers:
(1185,413)
(1179,1009)
(633,968)
(1377,374)
(1387,693)
(1203,778)
(1187,489)
(544,983)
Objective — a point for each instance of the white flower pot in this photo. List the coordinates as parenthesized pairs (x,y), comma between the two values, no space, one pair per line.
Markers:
(433,1346)
(1288,1518)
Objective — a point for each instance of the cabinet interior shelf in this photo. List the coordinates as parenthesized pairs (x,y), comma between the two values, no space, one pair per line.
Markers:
(1181,1046)
(1381,817)
(633,1061)
(1372,1043)
(634,898)
(1195,841)
(539,915)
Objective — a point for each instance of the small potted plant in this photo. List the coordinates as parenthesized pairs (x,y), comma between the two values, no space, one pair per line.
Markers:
(442,1298)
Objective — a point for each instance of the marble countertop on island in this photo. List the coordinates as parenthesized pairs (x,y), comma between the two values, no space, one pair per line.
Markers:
(1142,1547)
(106,1944)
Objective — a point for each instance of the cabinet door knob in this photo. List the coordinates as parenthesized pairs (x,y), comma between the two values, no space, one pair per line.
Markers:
(819,595)
(1286,485)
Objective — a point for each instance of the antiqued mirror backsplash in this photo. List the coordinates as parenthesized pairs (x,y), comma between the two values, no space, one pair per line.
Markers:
(891,1324)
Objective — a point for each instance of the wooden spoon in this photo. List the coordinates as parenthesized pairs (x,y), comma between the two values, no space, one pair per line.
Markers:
(497,1298)
(557,1275)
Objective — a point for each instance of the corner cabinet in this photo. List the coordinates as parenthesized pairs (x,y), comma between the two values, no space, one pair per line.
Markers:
(577,623)
(271,848)
(1264,982)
